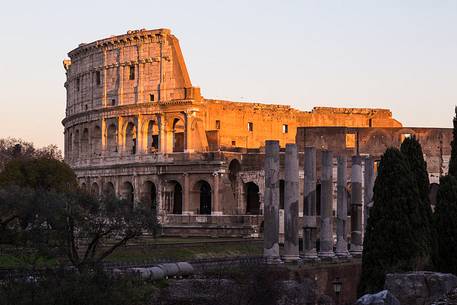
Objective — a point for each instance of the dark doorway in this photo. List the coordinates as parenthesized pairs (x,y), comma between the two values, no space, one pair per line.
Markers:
(177,199)
(205,198)
(318,199)
(149,197)
(252,199)
(281,194)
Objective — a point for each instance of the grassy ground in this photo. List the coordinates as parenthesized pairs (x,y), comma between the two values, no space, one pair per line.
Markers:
(179,249)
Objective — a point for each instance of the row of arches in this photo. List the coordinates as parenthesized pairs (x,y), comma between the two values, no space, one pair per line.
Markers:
(129,139)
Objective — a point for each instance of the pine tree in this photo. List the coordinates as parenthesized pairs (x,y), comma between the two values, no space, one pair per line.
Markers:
(412,150)
(453,161)
(392,243)
(446,225)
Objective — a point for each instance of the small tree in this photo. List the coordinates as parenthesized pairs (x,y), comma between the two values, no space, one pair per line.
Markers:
(453,160)
(446,225)
(412,150)
(391,241)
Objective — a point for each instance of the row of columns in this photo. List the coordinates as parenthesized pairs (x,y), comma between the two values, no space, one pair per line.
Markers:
(291,236)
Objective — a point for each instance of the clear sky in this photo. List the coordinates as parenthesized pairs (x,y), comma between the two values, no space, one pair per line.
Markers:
(397,54)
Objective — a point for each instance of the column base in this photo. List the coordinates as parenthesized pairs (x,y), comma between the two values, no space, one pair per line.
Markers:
(327,255)
(290,258)
(273,260)
(355,250)
(343,254)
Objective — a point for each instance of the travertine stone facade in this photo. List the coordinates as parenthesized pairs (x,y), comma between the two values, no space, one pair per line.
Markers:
(135,126)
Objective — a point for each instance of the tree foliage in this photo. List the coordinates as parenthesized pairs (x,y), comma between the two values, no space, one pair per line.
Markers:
(446,225)
(393,237)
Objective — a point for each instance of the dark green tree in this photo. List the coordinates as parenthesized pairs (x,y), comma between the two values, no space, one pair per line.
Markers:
(412,150)
(453,160)
(39,173)
(446,225)
(392,242)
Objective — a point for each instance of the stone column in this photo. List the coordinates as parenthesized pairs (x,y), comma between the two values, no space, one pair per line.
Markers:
(271,204)
(356,206)
(291,195)
(309,208)
(341,209)
(216,202)
(326,229)
(186,199)
(369,178)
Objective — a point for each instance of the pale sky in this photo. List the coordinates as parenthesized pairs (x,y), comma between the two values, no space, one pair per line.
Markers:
(396,54)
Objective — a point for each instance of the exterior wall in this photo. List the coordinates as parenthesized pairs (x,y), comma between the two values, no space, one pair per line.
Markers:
(134,121)
(435,143)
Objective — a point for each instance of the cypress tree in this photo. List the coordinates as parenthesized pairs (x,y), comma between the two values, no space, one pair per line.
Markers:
(412,150)
(446,225)
(453,161)
(392,243)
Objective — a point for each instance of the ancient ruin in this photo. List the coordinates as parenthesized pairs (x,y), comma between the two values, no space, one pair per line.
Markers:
(136,127)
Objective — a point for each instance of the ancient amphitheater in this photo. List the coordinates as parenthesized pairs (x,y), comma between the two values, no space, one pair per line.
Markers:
(136,127)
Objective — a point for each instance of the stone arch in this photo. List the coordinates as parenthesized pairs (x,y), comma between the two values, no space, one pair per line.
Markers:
(178,135)
(84,186)
(252,199)
(172,197)
(149,194)
(152,136)
(202,194)
(130,138)
(109,190)
(96,140)
(85,142)
(127,193)
(378,141)
(94,189)
(112,138)
(233,175)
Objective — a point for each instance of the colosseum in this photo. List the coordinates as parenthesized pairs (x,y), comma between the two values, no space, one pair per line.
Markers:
(136,127)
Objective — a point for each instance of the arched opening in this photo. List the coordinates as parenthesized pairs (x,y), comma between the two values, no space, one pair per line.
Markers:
(96,140)
(234,171)
(281,194)
(112,138)
(127,193)
(203,189)
(95,190)
(252,199)
(149,195)
(178,135)
(85,142)
(318,199)
(76,144)
(177,199)
(130,139)
(84,187)
(153,137)
(108,190)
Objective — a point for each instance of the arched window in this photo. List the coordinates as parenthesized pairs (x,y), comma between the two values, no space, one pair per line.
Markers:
(108,190)
(153,137)
(127,193)
(177,199)
(281,194)
(178,135)
(149,195)
(130,139)
(96,140)
(203,189)
(95,190)
(112,138)
(85,142)
(76,144)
